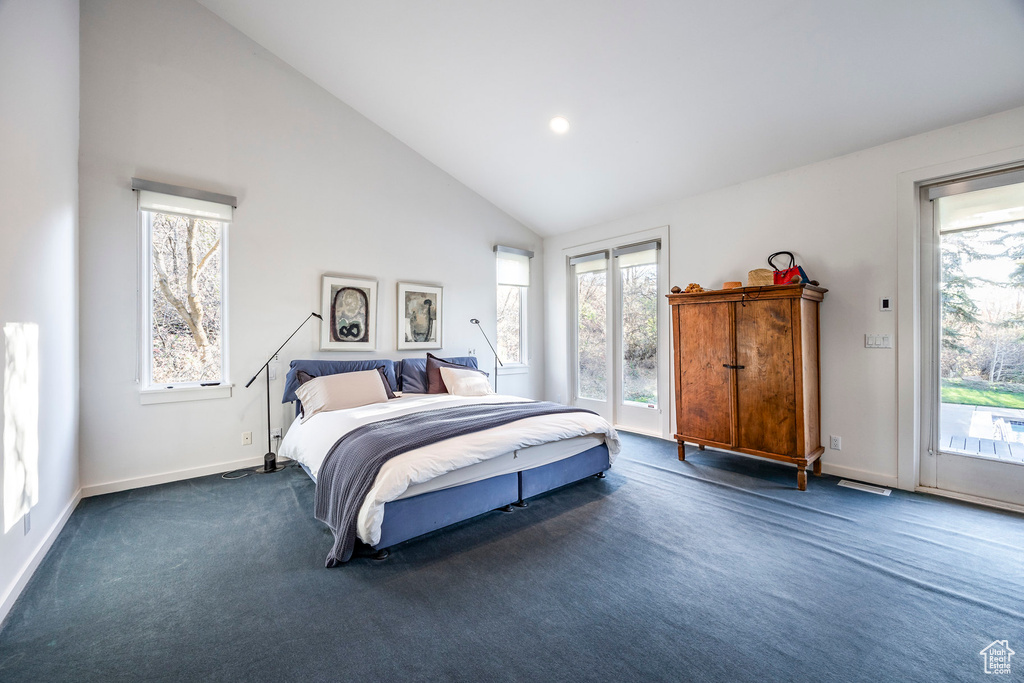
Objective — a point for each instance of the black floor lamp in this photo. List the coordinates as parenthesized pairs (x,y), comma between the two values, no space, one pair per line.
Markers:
(497,361)
(270,459)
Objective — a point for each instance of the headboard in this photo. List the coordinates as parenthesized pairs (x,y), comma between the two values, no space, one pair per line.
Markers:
(409,375)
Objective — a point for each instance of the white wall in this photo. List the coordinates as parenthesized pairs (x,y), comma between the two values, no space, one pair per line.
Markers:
(172,93)
(840,217)
(38,249)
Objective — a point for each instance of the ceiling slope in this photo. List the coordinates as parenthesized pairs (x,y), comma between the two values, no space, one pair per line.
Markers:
(666,98)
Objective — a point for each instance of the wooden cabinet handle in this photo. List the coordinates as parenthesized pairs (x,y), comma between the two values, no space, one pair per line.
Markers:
(733,367)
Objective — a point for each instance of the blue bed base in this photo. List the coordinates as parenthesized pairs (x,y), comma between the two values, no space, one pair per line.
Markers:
(411,517)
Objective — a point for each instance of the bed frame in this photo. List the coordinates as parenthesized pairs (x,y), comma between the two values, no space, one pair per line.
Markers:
(417,515)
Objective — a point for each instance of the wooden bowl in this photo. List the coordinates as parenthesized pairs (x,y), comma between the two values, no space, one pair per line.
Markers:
(731,285)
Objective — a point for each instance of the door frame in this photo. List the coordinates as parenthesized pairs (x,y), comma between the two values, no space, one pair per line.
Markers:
(666,398)
(912,338)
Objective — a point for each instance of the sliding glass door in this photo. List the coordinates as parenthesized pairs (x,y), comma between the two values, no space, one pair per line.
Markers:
(615,305)
(974,271)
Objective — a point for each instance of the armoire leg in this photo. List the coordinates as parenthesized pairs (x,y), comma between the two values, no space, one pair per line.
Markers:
(682,452)
(817,467)
(801,478)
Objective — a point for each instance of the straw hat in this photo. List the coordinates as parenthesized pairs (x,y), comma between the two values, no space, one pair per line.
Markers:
(760,277)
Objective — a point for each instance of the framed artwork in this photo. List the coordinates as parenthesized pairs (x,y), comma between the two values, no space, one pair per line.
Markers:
(420,308)
(349,308)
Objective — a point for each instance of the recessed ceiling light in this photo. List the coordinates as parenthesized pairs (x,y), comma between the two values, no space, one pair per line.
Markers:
(560,125)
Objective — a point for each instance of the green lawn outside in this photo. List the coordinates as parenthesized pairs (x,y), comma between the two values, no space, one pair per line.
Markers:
(982,394)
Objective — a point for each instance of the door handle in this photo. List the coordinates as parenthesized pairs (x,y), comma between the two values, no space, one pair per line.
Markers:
(733,367)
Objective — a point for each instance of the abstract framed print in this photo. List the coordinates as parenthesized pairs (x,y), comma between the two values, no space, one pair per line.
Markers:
(349,308)
(420,309)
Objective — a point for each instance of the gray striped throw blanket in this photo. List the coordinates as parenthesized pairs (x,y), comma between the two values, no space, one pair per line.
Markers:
(352,464)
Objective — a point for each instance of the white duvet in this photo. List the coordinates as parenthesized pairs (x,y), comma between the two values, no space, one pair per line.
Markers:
(309,443)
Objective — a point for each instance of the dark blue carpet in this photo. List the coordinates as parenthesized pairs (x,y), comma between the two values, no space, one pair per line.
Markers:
(716,569)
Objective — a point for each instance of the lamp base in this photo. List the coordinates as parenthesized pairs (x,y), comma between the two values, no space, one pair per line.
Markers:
(270,464)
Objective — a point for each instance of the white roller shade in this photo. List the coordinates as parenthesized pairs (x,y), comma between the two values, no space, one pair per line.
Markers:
(513,269)
(184,206)
(991,206)
(590,262)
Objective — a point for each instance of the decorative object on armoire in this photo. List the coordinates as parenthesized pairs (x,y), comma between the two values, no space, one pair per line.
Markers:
(693,288)
(270,458)
(732,284)
(349,308)
(790,275)
(747,372)
(760,277)
(420,309)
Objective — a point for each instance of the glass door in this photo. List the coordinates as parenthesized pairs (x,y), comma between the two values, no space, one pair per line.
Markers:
(636,343)
(975,272)
(615,310)
(592,360)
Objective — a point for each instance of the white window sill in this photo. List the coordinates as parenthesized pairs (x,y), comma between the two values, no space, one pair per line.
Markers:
(513,369)
(163,395)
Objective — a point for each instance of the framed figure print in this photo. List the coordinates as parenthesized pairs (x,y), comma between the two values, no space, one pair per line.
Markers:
(349,308)
(419,316)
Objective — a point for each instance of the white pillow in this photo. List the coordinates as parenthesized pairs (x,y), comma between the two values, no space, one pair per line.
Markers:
(337,392)
(466,382)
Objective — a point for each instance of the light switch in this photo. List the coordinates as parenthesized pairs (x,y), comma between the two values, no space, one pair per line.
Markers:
(878,341)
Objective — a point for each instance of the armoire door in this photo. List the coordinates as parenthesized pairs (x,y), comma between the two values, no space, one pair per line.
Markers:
(765,388)
(705,400)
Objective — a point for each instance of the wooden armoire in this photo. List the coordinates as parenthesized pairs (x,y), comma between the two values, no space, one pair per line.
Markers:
(747,372)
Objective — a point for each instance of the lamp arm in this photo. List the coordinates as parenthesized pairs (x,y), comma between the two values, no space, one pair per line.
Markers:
(490,345)
(274,354)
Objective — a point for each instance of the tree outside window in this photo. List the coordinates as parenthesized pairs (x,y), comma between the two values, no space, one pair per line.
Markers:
(186,299)
(511,300)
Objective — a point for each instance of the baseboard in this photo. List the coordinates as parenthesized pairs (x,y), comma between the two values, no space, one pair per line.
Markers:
(977,500)
(32,563)
(886,480)
(167,477)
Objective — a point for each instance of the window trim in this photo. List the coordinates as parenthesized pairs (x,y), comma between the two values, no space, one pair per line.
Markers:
(150,393)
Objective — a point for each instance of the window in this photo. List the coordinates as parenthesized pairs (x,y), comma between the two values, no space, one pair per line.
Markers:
(638,317)
(513,285)
(591,297)
(184,288)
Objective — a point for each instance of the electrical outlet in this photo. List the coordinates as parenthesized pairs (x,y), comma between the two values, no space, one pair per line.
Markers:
(275,433)
(835,443)
(246,438)
(272,371)
(885,303)
(471,352)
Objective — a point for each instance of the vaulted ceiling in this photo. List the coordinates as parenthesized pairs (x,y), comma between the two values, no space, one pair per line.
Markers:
(666,98)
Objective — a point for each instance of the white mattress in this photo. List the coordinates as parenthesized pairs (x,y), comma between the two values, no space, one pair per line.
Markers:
(472,457)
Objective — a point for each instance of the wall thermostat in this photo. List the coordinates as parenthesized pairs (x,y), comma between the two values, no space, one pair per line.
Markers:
(885,303)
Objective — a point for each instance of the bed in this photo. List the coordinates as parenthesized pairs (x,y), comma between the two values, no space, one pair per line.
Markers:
(450,481)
